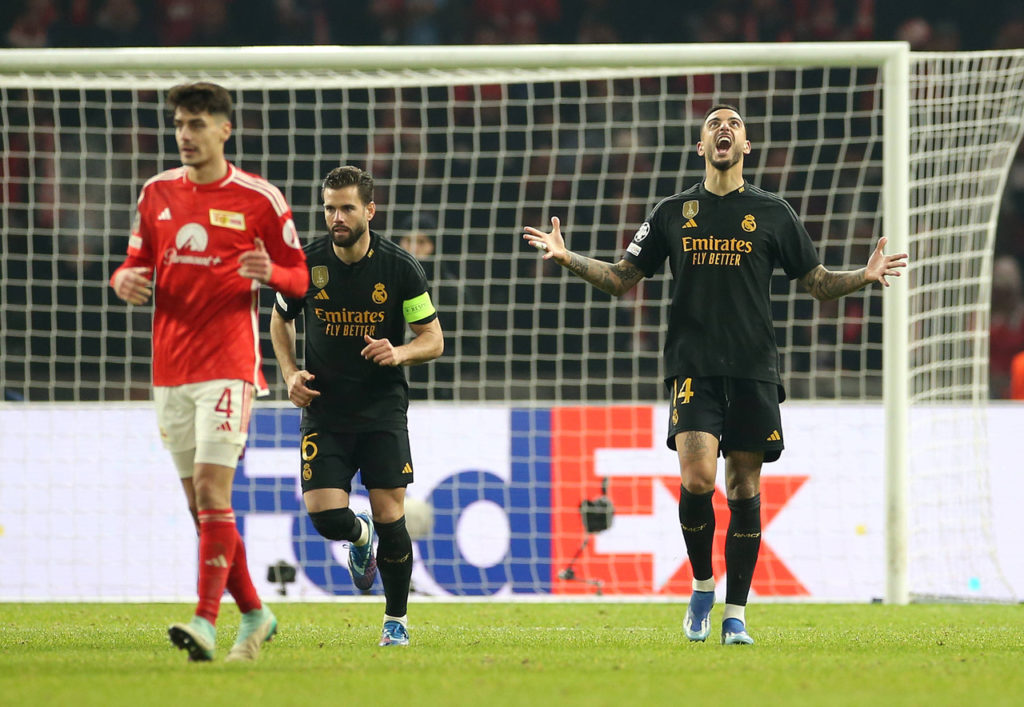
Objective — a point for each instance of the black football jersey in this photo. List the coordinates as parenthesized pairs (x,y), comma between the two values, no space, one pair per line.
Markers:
(344,303)
(722,251)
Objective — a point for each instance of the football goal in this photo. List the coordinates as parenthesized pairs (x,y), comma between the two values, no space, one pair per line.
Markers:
(470,144)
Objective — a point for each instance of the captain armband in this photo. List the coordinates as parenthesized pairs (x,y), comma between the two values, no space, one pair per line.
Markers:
(418,308)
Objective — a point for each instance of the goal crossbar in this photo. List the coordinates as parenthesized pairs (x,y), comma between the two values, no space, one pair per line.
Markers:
(447,58)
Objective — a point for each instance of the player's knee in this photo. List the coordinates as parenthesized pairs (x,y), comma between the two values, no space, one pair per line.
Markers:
(336,524)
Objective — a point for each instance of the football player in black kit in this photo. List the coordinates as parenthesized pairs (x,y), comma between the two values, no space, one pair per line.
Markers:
(722,238)
(363,291)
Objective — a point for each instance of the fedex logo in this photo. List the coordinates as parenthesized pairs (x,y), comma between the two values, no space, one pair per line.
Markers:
(486,472)
(506,487)
(643,551)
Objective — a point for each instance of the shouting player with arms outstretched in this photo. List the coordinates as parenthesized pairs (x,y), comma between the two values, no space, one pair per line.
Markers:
(722,237)
(206,235)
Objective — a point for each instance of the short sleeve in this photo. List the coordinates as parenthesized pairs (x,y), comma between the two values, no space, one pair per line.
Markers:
(416,305)
(647,250)
(289,307)
(797,253)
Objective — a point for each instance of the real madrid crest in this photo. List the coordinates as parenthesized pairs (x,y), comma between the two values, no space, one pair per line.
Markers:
(748,224)
(319,275)
(379,296)
(690,208)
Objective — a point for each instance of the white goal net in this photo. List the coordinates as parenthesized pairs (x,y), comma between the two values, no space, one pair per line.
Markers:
(548,388)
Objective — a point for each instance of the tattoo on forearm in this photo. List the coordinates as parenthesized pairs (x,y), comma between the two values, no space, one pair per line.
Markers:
(627,273)
(826,285)
(613,279)
(578,264)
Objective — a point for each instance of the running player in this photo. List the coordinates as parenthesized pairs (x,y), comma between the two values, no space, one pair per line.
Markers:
(364,290)
(206,235)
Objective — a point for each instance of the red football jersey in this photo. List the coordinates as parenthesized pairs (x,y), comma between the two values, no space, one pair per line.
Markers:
(205,321)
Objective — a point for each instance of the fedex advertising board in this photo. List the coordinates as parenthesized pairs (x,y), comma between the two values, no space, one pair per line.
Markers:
(91,508)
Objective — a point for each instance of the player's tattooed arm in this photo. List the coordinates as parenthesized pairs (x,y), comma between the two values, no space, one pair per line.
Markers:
(824,284)
(614,279)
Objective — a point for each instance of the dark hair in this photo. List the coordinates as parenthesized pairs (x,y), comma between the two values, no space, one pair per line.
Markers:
(721,106)
(200,97)
(347,176)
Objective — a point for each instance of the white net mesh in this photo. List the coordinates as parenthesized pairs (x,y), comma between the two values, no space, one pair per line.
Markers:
(469,165)
(467,158)
(965,128)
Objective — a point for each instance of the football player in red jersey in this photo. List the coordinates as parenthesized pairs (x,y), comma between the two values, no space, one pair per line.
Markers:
(206,236)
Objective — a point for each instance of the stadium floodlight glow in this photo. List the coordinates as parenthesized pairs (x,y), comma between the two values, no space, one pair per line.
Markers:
(864,139)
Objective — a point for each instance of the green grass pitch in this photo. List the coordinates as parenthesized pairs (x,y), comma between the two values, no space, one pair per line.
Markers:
(490,654)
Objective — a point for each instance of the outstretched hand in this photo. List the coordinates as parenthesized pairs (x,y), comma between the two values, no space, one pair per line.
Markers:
(552,243)
(256,264)
(880,265)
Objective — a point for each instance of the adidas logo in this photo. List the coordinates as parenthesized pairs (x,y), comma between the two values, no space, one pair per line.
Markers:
(773,437)
(165,215)
(322,294)
(690,223)
(224,426)
(407,469)
(217,561)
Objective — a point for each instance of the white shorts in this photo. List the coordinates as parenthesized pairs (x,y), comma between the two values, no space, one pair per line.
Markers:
(210,418)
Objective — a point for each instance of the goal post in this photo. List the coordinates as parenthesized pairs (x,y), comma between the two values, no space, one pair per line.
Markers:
(895,318)
(468,144)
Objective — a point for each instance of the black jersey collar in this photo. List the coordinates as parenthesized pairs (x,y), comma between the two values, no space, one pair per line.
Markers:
(741,189)
(370,252)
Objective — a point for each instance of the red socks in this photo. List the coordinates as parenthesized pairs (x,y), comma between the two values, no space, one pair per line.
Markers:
(222,565)
(239,582)
(218,540)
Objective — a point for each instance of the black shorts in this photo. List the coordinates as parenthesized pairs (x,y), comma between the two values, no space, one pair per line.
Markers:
(330,460)
(742,413)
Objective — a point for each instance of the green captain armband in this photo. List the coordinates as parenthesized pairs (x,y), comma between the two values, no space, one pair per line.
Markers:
(418,308)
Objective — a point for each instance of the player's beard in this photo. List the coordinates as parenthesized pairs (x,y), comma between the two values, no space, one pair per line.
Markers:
(348,239)
(726,163)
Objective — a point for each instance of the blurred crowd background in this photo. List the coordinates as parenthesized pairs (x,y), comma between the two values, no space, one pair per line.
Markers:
(941,26)
(927,25)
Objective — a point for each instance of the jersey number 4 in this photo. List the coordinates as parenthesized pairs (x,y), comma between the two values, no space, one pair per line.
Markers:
(224,404)
(683,393)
